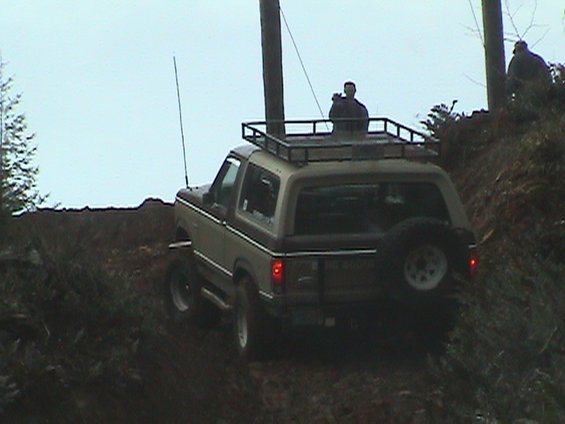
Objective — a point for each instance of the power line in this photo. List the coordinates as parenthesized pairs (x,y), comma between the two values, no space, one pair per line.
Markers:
(302,63)
(476,23)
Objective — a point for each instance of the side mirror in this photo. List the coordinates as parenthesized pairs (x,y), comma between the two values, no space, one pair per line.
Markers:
(208,198)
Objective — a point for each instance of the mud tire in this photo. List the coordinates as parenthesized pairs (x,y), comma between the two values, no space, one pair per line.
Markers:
(182,296)
(253,329)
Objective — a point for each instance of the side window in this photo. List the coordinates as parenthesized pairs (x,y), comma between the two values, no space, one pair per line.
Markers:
(223,186)
(259,194)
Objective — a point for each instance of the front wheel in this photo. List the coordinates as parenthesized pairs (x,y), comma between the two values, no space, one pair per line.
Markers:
(183,298)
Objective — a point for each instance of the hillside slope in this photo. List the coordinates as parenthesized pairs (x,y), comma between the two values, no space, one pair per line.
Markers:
(505,360)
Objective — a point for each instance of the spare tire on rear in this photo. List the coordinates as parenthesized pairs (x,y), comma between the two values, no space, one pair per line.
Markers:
(420,258)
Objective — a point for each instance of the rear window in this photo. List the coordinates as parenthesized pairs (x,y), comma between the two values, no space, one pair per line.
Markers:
(365,208)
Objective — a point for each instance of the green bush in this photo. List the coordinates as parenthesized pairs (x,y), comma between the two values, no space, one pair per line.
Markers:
(506,360)
(440,118)
(66,324)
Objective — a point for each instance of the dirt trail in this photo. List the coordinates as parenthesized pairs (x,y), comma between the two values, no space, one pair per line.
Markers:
(192,376)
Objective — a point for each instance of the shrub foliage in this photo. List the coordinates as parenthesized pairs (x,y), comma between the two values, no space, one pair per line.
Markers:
(65,325)
(505,361)
(18,173)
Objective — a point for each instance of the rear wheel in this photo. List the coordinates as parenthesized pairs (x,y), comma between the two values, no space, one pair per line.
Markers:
(183,298)
(254,330)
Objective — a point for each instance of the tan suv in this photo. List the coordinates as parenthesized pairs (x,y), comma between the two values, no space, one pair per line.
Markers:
(312,229)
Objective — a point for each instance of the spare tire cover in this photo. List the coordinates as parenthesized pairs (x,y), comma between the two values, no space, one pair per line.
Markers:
(418,258)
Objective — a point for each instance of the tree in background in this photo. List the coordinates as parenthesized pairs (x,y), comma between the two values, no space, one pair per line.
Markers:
(18,174)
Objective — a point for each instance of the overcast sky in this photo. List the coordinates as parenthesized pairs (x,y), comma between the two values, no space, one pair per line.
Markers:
(98,83)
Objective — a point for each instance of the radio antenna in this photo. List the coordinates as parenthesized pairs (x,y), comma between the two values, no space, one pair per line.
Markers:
(180,120)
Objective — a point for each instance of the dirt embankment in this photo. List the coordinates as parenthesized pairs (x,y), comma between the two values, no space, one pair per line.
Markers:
(192,376)
(380,375)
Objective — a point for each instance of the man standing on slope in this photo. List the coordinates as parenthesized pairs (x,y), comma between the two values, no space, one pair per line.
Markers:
(528,74)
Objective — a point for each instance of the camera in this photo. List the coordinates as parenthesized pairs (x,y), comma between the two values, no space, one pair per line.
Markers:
(337,96)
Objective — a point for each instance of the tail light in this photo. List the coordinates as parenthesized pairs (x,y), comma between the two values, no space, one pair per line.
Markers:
(277,275)
(472,261)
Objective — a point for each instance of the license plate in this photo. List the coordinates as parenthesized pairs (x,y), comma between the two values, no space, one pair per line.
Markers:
(307,316)
(350,272)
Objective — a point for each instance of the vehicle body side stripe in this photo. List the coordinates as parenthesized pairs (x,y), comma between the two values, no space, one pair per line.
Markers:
(268,251)
(250,240)
(331,253)
(213,264)
(266,295)
(199,210)
(303,253)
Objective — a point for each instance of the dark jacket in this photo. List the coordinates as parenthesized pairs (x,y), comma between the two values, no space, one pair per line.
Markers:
(349,116)
(526,69)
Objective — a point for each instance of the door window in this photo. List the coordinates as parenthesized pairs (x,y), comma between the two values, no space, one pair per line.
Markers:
(259,194)
(223,187)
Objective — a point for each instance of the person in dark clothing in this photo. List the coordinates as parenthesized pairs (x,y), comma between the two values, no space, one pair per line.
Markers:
(527,72)
(348,115)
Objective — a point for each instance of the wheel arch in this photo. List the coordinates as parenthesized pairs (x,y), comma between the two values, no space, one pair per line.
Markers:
(243,268)
(181,233)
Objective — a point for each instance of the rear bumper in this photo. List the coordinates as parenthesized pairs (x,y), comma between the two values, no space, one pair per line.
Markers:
(324,315)
(332,314)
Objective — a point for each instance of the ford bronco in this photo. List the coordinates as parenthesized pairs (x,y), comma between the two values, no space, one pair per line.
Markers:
(310,228)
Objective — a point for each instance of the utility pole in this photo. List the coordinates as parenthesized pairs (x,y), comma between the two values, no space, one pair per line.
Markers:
(494,54)
(272,66)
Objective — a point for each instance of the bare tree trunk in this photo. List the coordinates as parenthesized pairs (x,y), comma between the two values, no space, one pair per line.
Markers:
(494,54)
(272,66)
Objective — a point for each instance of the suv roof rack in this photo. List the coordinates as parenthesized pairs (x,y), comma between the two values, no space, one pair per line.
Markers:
(312,141)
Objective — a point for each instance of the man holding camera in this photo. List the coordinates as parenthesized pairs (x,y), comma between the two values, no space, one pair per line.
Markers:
(349,115)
